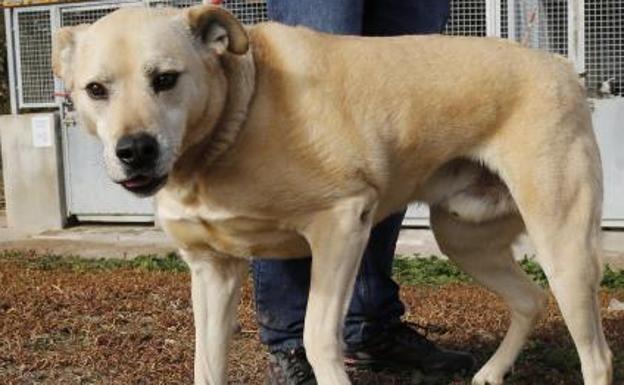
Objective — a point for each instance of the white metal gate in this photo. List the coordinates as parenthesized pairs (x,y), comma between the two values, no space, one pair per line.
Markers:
(90,194)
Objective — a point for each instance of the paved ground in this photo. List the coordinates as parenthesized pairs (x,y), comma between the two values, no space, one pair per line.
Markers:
(127,241)
(91,241)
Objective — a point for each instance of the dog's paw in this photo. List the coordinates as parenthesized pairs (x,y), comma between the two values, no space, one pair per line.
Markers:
(488,376)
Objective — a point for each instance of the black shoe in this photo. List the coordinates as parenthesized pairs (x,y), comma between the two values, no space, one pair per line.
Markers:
(290,368)
(402,347)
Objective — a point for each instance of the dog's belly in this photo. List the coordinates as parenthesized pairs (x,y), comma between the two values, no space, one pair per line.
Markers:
(469,191)
(238,237)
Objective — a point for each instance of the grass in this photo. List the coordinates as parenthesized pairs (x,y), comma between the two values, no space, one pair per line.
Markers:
(427,271)
(171,262)
(407,270)
(612,279)
(436,271)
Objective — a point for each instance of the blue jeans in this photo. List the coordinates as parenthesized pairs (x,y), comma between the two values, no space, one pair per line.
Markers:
(363,17)
(281,287)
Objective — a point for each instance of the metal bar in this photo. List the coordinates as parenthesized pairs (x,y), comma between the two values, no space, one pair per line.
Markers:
(492,17)
(55,22)
(66,165)
(18,61)
(8,23)
(576,34)
(511,20)
(38,105)
(615,223)
(580,50)
(60,165)
(123,218)
(94,5)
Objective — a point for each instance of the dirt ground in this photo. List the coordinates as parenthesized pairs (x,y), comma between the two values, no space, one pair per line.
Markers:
(133,326)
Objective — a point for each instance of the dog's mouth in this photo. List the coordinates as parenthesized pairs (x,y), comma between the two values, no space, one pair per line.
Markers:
(144,185)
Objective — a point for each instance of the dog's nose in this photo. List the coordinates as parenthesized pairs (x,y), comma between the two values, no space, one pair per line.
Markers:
(137,151)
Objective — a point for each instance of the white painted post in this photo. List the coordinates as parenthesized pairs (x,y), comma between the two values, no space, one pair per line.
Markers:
(55,25)
(576,34)
(493,17)
(8,24)
(511,20)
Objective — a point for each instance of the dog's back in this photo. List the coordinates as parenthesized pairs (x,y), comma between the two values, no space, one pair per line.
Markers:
(412,102)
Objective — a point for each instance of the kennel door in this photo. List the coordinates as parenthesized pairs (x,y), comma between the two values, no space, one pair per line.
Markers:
(90,194)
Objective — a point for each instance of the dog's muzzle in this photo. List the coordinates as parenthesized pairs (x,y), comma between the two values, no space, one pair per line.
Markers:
(139,155)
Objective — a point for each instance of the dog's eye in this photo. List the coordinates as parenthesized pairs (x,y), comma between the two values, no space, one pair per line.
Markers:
(164,81)
(96,91)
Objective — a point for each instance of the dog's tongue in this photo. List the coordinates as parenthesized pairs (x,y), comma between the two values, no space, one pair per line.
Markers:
(137,181)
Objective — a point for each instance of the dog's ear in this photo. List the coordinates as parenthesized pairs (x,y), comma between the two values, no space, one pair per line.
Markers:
(217,29)
(63,49)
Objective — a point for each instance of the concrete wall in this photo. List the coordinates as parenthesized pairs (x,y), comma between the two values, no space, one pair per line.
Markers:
(32,171)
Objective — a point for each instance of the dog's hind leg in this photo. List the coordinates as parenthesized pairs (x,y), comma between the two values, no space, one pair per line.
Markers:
(337,238)
(557,187)
(483,250)
(215,287)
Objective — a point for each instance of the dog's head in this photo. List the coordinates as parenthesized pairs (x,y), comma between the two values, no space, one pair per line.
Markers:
(149,83)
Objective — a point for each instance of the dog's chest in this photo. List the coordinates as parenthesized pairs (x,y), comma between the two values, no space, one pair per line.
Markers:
(212,228)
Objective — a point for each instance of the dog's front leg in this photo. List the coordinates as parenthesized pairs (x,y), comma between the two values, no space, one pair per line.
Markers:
(215,291)
(337,239)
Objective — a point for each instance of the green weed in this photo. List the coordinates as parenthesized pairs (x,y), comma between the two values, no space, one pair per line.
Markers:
(170,262)
(437,271)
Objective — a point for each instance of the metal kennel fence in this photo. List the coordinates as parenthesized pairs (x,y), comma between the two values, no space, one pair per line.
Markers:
(31,30)
(590,33)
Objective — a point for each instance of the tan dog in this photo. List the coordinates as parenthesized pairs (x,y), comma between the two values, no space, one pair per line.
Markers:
(280,142)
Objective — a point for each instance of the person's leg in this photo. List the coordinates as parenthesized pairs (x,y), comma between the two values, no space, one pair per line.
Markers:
(281,287)
(375,301)
(376,304)
(404,17)
(374,332)
(378,337)
(281,292)
(340,17)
